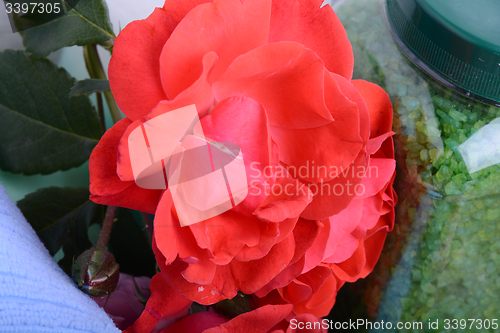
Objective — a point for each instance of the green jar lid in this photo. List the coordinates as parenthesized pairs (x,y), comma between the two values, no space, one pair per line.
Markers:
(457,42)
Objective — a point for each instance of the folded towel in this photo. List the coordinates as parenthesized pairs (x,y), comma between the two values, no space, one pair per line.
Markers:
(35,294)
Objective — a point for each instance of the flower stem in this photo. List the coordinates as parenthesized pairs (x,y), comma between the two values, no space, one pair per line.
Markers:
(106,227)
(90,69)
(96,71)
(98,95)
(100,109)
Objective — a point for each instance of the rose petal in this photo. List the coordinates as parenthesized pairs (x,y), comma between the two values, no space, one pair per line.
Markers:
(344,249)
(378,174)
(226,27)
(332,197)
(316,253)
(106,187)
(376,143)
(341,226)
(372,209)
(173,240)
(282,279)
(134,70)
(316,277)
(269,233)
(324,286)
(255,274)
(379,106)
(259,320)
(287,198)
(296,292)
(197,322)
(386,149)
(305,233)
(286,78)
(179,10)
(247,277)
(363,260)
(318,29)
(164,301)
(324,293)
(199,94)
(226,234)
(303,150)
(225,124)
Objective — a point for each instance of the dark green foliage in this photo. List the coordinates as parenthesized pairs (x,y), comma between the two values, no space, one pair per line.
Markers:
(42,130)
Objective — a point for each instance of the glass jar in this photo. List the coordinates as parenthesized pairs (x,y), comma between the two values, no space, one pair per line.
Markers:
(442,261)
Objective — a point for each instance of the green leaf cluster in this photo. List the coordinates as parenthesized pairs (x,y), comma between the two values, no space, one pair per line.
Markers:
(48,123)
(42,129)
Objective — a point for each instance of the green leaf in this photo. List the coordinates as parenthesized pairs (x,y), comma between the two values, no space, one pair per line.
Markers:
(42,130)
(89,86)
(87,23)
(131,246)
(61,216)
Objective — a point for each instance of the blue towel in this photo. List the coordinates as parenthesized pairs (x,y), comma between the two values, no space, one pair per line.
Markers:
(35,294)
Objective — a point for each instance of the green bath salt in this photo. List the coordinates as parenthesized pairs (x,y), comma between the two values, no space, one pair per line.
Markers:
(448,149)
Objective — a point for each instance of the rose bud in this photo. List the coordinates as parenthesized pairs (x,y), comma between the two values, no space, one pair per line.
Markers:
(96,272)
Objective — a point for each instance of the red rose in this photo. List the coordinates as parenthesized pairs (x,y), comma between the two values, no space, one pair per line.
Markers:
(273,77)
